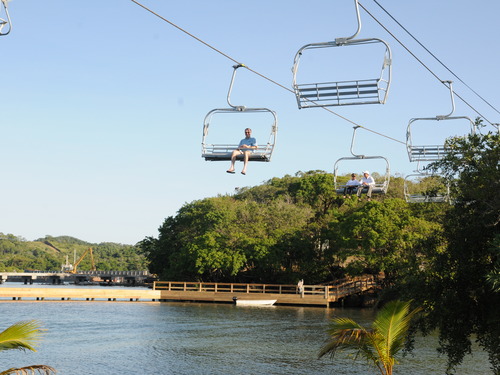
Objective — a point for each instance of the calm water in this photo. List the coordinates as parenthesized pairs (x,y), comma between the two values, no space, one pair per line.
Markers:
(188,338)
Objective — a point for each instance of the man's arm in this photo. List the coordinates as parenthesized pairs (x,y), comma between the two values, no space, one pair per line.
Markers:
(252,144)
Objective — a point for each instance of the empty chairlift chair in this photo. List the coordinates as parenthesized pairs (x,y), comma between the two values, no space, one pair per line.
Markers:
(381,187)
(368,90)
(220,151)
(431,152)
(5,24)
(436,192)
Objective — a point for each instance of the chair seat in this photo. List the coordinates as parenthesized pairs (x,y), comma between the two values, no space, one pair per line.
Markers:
(224,152)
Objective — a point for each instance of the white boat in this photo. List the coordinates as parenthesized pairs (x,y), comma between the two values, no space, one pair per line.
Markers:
(254,302)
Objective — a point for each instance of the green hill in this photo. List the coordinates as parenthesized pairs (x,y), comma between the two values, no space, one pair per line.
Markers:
(50,253)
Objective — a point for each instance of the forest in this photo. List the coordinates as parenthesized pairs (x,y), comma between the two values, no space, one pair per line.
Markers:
(49,254)
(290,228)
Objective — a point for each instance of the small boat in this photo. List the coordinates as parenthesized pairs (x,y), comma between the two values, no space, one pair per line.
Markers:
(254,302)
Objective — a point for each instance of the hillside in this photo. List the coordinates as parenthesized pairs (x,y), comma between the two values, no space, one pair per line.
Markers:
(292,228)
(49,253)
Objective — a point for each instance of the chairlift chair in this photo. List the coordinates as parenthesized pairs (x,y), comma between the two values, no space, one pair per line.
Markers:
(5,24)
(354,92)
(424,153)
(426,197)
(220,152)
(379,188)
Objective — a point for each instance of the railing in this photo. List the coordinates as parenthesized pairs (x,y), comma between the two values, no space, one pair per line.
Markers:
(344,288)
(224,287)
(36,274)
(115,273)
(96,273)
(335,291)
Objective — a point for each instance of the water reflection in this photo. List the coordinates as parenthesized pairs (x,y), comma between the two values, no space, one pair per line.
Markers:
(183,339)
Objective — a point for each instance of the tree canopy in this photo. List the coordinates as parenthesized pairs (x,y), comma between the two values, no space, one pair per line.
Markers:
(287,229)
(457,282)
(49,253)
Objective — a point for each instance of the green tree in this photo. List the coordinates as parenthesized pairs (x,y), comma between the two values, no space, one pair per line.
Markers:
(225,239)
(316,188)
(378,344)
(48,253)
(23,336)
(456,284)
(287,229)
(379,237)
(396,187)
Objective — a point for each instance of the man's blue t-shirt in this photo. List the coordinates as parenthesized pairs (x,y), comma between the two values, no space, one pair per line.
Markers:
(248,141)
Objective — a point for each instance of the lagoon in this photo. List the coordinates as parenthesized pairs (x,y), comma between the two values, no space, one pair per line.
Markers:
(190,338)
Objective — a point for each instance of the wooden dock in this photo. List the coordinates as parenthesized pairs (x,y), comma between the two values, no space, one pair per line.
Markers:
(310,295)
(164,291)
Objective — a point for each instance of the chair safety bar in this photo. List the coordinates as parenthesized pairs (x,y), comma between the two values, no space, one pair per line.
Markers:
(223,152)
(377,189)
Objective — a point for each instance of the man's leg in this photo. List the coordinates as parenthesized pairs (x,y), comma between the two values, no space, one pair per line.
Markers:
(233,159)
(361,189)
(246,155)
(369,192)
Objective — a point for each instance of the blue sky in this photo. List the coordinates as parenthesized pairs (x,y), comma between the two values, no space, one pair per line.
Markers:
(103,103)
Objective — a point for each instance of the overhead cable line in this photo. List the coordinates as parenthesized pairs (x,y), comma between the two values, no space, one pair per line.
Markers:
(422,63)
(257,73)
(438,60)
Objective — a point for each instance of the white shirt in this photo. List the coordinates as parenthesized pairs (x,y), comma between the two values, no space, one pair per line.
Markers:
(368,180)
(353,183)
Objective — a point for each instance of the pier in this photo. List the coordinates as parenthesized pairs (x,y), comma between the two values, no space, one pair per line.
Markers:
(165,291)
(59,277)
(310,295)
(79,294)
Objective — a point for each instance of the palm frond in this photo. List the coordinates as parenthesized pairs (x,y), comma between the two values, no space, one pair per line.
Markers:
(30,370)
(21,335)
(392,324)
(378,344)
(345,334)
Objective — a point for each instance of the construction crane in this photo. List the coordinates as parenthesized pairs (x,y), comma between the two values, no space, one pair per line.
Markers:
(74,268)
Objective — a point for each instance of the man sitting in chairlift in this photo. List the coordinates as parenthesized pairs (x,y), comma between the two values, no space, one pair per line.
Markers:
(351,186)
(367,184)
(246,147)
